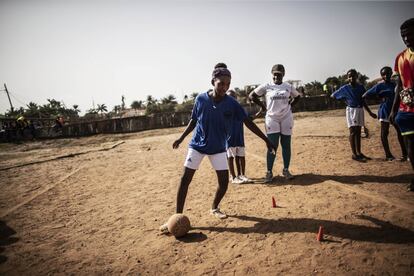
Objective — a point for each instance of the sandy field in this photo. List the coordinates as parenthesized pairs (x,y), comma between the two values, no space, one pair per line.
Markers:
(93,205)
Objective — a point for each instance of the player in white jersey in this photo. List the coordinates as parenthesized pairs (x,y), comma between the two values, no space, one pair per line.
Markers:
(280,96)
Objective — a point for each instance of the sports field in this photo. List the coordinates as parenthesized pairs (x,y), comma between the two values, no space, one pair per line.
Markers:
(94,205)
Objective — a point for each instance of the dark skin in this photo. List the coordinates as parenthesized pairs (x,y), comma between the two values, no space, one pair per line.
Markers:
(221,85)
(355,131)
(277,79)
(407,36)
(386,74)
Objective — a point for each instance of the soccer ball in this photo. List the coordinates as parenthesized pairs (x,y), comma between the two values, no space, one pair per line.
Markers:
(178,225)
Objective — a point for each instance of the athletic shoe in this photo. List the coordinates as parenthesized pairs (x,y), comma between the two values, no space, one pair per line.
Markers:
(268,177)
(245,179)
(365,157)
(164,229)
(403,159)
(218,214)
(287,174)
(237,180)
(359,158)
(390,158)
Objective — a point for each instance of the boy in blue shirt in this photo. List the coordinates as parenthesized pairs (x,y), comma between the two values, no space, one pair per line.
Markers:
(236,150)
(212,118)
(352,94)
(385,90)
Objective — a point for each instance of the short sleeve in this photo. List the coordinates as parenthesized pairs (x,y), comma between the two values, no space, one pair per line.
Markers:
(260,90)
(373,90)
(396,67)
(293,92)
(239,113)
(340,93)
(194,113)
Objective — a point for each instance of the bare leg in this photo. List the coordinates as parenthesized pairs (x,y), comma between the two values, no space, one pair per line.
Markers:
(183,188)
(385,126)
(223,182)
(401,141)
(238,165)
(231,166)
(243,165)
(352,134)
(357,138)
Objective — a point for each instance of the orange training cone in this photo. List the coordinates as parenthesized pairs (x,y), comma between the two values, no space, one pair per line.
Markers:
(320,234)
(274,202)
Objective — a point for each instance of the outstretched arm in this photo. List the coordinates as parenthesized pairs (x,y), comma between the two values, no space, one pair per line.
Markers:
(397,99)
(295,100)
(372,114)
(191,125)
(253,128)
(255,98)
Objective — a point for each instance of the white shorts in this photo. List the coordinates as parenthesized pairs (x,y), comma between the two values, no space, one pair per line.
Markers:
(283,126)
(194,158)
(235,151)
(354,116)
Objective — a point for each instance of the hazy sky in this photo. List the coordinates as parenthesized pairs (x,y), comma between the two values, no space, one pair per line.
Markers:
(84,51)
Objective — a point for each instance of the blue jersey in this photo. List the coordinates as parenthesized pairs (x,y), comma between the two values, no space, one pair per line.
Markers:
(214,122)
(386,92)
(351,95)
(236,138)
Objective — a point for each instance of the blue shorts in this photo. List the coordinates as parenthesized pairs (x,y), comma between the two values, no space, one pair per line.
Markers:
(405,121)
(383,113)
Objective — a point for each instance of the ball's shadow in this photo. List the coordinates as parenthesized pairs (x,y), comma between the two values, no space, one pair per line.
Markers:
(193,237)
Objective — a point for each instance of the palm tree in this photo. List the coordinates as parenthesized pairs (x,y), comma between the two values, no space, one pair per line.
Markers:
(136,105)
(101,108)
(170,99)
(151,100)
(76,109)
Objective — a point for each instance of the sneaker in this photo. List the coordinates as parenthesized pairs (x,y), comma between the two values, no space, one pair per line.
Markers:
(237,180)
(218,214)
(365,157)
(403,159)
(390,158)
(268,177)
(359,158)
(164,228)
(287,174)
(245,179)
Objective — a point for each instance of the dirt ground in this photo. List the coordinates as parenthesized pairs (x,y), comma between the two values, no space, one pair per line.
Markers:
(97,208)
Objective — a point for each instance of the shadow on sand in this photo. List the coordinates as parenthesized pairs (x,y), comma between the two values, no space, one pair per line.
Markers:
(382,232)
(6,238)
(311,179)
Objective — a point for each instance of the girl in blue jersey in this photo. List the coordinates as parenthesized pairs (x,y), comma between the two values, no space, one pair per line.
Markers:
(212,118)
(352,94)
(385,90)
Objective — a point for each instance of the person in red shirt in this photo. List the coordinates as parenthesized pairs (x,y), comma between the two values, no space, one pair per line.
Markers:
(403,108)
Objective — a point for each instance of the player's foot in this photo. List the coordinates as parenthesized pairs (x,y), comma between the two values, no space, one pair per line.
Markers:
(218,214)
(237,180)
(268,177)
(366,157)
(403,159)
(245,179)
(390,158)
(287,174)
(164,229)
(359,158)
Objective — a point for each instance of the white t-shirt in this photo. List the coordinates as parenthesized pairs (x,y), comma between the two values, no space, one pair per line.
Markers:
(277,98)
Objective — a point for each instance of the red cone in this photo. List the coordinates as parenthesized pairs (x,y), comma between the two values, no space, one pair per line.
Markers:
(274,202)
(320,234)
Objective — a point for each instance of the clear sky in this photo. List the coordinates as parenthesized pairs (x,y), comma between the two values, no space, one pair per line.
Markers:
(87,51)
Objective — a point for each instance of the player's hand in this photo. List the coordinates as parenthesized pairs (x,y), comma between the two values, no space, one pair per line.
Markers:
(373,115)
(177,143)
(392,118)
(272,148)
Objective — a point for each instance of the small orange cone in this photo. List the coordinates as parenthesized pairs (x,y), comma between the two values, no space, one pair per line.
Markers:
(274,202)
(320,234)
